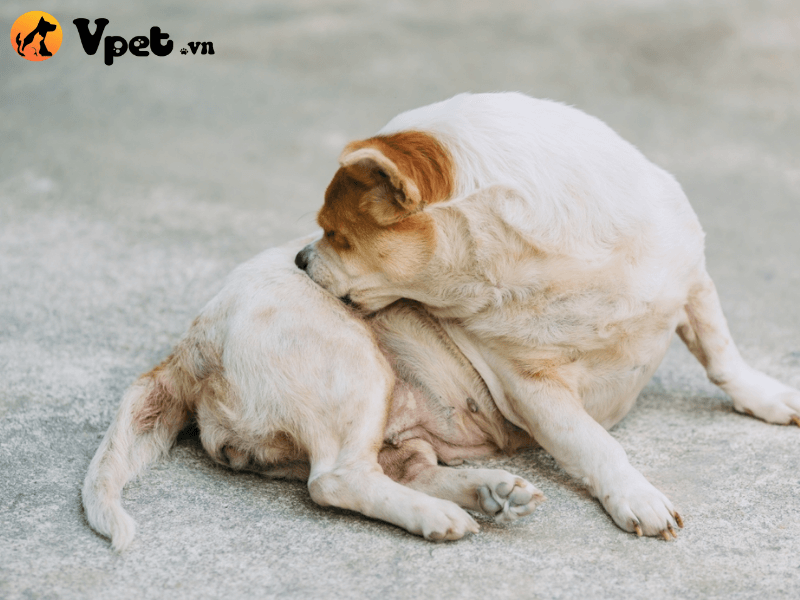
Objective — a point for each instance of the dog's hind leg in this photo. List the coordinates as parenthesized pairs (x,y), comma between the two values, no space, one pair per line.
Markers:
(705,332)
(494,492)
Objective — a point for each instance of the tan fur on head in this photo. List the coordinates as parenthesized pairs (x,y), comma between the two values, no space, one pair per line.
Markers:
(561,265)
(373,216)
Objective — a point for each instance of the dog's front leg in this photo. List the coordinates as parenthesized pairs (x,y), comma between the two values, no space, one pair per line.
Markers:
(362,486)
(556,419)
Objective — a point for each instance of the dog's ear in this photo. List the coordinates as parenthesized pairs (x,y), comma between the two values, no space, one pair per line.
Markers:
(392,193)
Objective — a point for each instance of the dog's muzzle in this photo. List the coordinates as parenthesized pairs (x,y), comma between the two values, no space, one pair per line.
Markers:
(303,258)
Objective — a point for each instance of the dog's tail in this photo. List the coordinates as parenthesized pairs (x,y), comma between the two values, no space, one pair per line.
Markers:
(153,411)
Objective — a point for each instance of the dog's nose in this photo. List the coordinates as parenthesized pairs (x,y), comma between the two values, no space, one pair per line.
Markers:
(301,260)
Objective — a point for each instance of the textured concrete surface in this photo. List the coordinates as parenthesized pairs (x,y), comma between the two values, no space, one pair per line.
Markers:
(128,192)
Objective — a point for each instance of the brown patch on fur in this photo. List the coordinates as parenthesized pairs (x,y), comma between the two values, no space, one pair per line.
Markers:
(267,314)
(419,157)
(398,248)
(542,370)
(372,211)
(157,404)
(174,386)
(385,178)
(404,464)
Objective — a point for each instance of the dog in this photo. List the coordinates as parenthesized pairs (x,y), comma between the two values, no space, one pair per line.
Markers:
(42,28)
(283,379)
(558,259)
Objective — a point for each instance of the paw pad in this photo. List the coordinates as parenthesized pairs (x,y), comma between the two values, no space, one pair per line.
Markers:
(507,502)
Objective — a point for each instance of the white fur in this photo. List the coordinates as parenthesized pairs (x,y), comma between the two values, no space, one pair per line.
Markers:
(285,380)
(587,185)
(563,263)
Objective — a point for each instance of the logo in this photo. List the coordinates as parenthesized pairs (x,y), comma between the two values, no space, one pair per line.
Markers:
(114,46)
(30,32)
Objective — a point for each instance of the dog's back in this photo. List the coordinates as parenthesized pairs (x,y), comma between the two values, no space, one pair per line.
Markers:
(292,354)
(589,188)
(261,381)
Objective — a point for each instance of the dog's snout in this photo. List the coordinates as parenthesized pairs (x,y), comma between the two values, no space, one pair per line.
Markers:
(301,260)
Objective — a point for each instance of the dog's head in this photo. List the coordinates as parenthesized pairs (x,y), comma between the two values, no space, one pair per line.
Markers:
(377,235)
(45,26)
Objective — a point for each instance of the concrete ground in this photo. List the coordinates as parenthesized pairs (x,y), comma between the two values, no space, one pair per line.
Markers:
(128,192)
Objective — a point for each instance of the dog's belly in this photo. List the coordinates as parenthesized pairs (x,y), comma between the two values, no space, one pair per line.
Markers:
(610,390)
(458,428)
(439,396)
(606,364)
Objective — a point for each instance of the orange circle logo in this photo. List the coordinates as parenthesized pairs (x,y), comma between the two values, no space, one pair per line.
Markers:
(36,35)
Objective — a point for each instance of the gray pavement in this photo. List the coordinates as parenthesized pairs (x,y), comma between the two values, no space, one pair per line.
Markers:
(128,192)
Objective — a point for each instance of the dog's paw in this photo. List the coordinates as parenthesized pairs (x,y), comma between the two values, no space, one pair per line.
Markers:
(641,509)
(509,498)
(761,396)
(780,409)
(443,520)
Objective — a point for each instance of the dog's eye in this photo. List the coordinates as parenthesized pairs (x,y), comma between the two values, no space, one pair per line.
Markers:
(337,240)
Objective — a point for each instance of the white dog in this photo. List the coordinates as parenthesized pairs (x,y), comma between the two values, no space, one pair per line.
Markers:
(558,259)
(284,379)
